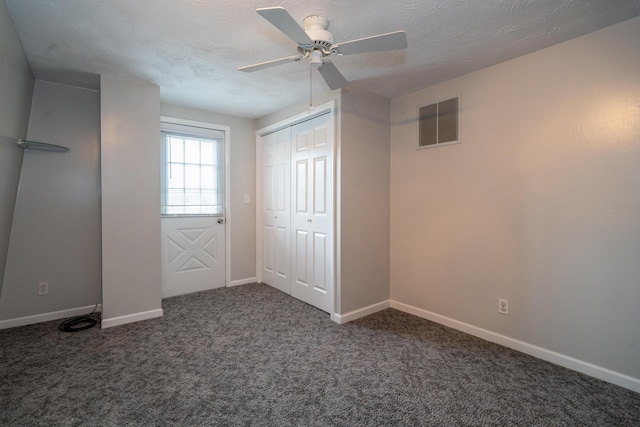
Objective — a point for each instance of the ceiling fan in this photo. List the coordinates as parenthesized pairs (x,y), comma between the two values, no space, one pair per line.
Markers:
(316,43)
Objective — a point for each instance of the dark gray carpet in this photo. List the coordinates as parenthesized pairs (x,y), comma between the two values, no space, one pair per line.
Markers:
(251,355)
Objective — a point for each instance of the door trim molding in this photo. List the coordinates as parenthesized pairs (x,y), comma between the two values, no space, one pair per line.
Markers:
(227,183)
(326,108)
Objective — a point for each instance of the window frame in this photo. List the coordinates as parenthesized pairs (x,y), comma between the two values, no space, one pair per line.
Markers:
(203,130)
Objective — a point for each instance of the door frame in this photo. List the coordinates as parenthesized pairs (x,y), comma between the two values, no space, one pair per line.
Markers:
(226,214)
(326,108)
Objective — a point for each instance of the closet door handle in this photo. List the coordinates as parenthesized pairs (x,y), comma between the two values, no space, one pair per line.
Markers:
(309,220)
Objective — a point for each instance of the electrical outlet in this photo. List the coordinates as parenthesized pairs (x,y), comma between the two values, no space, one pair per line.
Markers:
(43,288)
(503,306)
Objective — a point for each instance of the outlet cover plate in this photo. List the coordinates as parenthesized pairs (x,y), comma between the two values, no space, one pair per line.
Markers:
(43,288)
(503,306)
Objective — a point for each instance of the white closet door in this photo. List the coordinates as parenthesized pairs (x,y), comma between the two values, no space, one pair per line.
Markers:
(276,214)
(312,212)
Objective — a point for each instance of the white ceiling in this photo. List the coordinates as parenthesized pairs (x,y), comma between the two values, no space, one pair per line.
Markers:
(191,48)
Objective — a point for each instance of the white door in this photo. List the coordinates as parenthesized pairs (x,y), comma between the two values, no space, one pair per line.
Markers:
(312,212)
(193,254)
(193,185)
(276,183)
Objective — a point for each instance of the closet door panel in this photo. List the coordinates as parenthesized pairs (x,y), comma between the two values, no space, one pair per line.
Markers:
(312,185)
(276,212)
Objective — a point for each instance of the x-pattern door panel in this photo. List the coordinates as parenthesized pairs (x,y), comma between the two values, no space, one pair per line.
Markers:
(192,255)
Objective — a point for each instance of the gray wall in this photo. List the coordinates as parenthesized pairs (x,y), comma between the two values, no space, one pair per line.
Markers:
(130,166)
(56,228)
(16,88)
(363,215)
(539,204)
(243,181)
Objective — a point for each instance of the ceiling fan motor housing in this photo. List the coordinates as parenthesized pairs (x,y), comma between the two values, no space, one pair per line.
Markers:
(316,28)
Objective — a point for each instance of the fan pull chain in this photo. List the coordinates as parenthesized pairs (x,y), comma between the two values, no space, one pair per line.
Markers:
(310,87)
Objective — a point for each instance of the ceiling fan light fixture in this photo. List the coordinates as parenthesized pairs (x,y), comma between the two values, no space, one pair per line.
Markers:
(315,58)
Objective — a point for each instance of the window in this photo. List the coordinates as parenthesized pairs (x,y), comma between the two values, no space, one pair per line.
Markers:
(438,123)
(192,160)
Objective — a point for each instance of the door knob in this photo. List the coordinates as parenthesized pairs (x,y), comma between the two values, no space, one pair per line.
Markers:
(220,220)
(309,220)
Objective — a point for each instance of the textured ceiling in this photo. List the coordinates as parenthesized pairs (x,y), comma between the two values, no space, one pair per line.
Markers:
(191,48)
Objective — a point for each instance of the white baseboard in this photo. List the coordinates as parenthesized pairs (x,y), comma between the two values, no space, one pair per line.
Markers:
(361,312)
(242,281)
(45,317)
(130,318)
(541,353)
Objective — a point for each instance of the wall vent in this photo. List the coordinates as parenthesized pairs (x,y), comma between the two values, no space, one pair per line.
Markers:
(438,124)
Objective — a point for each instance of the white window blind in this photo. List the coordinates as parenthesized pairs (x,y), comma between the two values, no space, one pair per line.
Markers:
(192,170)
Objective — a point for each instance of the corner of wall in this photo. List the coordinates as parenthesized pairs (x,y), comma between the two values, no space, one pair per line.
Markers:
(130,131)
(363,200)
(16,92)
(534,205)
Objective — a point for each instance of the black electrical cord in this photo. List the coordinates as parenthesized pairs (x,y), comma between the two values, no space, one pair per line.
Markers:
(79,323)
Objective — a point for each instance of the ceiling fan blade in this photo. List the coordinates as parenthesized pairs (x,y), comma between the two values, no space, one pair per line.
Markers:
(388,41)
(280,18)
(331,75)
(268,64)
